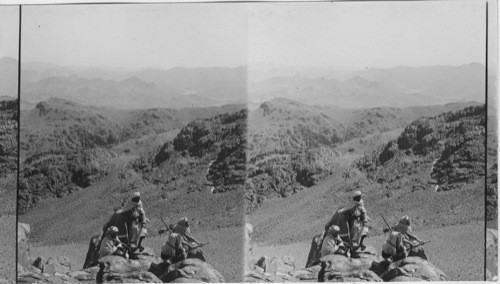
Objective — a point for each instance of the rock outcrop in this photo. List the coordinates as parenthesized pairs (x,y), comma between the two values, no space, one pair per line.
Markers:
(362,266)
(412,269)
(141,267)
(191,270)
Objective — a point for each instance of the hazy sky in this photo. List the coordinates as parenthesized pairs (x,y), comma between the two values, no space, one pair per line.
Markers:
(367,34)
(338,35)
(136,36)
(9,31)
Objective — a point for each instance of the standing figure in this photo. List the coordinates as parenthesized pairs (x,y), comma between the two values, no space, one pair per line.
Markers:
(358,219)
(136,220)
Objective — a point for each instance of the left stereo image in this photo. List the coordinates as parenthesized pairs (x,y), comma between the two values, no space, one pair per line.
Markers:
(132,143)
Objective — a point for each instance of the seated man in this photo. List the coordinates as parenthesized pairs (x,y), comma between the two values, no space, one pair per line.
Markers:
(110,244)
(332,243)
(180,244)
(400,241)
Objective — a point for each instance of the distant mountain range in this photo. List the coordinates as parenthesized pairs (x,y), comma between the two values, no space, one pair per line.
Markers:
(215,86)
(396,87)
(124,89)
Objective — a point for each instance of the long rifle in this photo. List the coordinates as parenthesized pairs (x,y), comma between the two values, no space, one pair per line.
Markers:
(339,198)
(388,227)
(167,227)
(420,244)
(349,236)
(128,239)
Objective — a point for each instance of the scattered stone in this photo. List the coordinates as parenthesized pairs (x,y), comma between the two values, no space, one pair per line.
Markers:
(59,264)
(263,262)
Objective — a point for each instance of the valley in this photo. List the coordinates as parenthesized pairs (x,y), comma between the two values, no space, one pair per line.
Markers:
(78,162)
(427,163)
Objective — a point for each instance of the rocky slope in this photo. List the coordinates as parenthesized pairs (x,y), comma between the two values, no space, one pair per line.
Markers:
(451,144)
(292,146)
(67,146)
(214,147)
(174,180)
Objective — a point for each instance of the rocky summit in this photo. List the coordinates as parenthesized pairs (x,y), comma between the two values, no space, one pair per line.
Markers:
(362,266)
(144,267)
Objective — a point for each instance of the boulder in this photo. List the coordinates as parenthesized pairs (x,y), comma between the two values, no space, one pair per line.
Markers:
(406,279)
(339,268)
(279,265)
(92,257)
(266,277)
(351,276)
(491,254)
(39,278)
(120,264)
(192,269)
(368,254)
(128,277)
(59,264)
(315,250)
(263,262)
(85,274)
(414,267)
(307,274)
(39,263)
(340,263)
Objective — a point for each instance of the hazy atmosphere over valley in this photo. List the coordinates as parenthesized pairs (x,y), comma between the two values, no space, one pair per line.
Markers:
(257,122)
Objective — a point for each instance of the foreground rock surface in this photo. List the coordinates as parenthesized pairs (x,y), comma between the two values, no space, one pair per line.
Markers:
(412,268)
(363,266)
(143,267)
(191,270)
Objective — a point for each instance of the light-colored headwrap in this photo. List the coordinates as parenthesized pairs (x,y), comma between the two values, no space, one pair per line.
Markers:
(403,225)
(334,230)
(112,230)
(182,227)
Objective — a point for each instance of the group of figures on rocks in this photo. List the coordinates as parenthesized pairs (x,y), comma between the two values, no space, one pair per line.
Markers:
(339,255)
(117,255)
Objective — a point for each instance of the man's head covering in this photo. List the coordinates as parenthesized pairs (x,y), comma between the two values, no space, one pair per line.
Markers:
(405,220)
(182,226)
(403,225)
(357,193)
(112,230)
(334,230)
(183,222)
(136,194)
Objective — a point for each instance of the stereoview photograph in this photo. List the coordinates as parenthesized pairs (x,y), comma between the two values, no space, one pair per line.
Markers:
(252,142)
